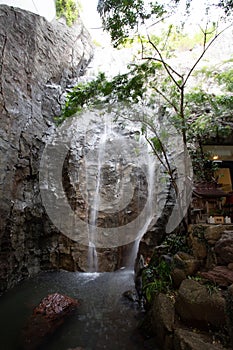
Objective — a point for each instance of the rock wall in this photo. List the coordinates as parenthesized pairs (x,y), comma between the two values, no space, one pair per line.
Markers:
(197,313)
(38,62)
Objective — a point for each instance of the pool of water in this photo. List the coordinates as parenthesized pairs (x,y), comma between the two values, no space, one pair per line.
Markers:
(104,320)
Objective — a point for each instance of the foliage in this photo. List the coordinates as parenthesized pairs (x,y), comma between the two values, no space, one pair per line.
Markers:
(101,91)
(210,286)
(170,84)
(175,38)
(176,243)
(226,78)
(206,115)
(156,278)
(210,117)
(227,6)
(199,232)
(196,114)
(130,87)
(120,17)
(67,9)
(203,167)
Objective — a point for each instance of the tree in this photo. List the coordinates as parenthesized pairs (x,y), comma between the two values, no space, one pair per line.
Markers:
(121,18)
(155,79)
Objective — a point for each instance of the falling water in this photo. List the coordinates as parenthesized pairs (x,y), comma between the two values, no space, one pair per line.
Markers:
(120,189)
(150,172)
(93,216)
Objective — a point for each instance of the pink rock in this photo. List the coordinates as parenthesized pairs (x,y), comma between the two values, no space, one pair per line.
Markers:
(220,275)
(46,318)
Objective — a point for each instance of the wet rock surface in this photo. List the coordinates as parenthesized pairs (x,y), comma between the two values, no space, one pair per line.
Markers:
(55,305)
(47,317)
(40,63)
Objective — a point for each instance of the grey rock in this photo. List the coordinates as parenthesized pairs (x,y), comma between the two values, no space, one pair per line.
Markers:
(187,340)
(162,320)
(38,62)
(197,307)
(224,248)
(186,262)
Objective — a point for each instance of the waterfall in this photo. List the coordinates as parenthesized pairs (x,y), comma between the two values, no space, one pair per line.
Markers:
(151,205)
(117,173)
(114,188)
(95,203)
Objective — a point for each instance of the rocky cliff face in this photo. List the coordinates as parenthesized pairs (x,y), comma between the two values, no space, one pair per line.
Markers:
(38,62)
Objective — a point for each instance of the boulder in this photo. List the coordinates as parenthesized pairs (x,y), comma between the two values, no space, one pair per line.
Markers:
(189,340)
(197,307)
(186,262)
(131,295)
(162,320)
(178,276)
(224,248)
(198,246)
(211,260)
(213,233)
(47,317)
(220,275)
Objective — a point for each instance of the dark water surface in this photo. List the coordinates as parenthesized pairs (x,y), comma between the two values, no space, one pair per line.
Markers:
(104,320)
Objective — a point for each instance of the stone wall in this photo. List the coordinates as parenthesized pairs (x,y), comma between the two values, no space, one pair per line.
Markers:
(38,62)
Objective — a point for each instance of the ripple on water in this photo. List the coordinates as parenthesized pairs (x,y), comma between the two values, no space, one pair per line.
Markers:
(104,320)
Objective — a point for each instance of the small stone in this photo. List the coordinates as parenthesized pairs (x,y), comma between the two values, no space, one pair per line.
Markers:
(131,295)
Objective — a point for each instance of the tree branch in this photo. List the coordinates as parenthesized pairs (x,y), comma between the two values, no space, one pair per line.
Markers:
(166,66)
(203,53)
(166,99)
(164,63)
